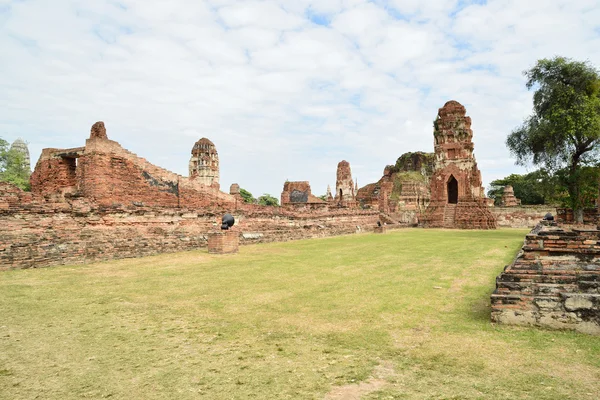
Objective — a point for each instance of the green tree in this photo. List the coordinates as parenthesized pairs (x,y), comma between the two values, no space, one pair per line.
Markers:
(246,195)
(268,200)
(12,166)
(537,187)
(564,128)
(588,178)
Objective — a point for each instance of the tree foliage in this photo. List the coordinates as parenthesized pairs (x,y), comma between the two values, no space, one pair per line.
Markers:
(538,187)
(564,129)
(543,187)
(268,200)
(246,195)
(12,166)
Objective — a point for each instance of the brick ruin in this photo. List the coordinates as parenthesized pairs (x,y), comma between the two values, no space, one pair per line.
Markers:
(553,282)
(345,187)
(441,189)
(101,202)
(105,173)
(508,197)
(328,195)
(457,195)
(204,163)
(299,193)
(223,242)
(403,192)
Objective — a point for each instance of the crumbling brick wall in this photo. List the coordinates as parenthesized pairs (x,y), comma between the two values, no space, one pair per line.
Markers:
(521,216)
(554,281)
(37,233)
(299,192)
(107,174)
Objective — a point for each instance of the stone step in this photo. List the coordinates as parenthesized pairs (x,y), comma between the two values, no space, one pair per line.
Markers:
(449,215)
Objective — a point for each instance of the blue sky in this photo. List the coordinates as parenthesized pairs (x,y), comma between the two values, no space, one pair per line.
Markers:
(285,89)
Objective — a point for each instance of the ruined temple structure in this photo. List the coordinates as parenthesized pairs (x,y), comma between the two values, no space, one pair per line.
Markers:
(20,146)
(328,195)
(105,173)
(553,282)
(508,197)
(457,195)
(403,189)
(345,187)
(299,193)
(204,163)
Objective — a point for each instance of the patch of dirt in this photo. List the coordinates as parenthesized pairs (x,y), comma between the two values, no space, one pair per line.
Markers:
(356,390)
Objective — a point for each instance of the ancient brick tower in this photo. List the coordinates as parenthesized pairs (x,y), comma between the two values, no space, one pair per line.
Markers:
(20,146)
(508,197)
(204,164)
(457,195)
(344,186)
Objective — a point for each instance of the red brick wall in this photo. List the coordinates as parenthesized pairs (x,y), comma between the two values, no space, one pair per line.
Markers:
(54,175)
(521,216)
(107,174)
(223,242)
(37,234)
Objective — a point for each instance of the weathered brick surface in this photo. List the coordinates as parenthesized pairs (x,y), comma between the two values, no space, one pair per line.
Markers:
(100,202)
(38,233)
(553,282)
(223,242)
(345,188)
(299,192)
(457,195)
(55,176)
(204,163)
(402,193)
(520,216)
(508,197)
(107,174)
(98,131)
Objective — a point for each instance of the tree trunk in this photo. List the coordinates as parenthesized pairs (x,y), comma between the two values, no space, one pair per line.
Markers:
(574,190)
(578,215)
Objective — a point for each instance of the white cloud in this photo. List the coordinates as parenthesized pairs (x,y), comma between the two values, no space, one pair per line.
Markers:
(285,89)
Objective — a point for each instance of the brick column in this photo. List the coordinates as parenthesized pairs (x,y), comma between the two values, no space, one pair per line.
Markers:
(223,242)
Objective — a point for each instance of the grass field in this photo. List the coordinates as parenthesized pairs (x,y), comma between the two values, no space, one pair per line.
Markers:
(398,316)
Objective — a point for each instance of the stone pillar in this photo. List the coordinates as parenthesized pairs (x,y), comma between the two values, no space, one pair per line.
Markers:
(223,242)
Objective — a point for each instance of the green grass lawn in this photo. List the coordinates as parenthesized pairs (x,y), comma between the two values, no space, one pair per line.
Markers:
(398,316)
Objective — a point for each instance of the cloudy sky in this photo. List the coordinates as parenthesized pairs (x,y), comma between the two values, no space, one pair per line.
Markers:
(285,89)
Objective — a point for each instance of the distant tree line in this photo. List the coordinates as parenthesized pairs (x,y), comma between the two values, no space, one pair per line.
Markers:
(264,200)
(550,188)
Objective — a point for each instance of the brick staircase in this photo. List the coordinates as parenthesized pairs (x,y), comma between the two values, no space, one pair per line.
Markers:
(553,282)
(449,214)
